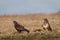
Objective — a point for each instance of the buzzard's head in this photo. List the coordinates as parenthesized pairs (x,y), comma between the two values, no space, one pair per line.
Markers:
(14,22)
(45,19)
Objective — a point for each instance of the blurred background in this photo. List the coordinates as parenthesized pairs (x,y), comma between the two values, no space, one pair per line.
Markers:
(13,7)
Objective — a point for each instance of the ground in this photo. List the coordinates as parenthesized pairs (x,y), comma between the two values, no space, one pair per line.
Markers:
(31,22)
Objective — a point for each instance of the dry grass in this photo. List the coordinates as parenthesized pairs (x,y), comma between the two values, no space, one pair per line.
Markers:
(33,36)
(31,22)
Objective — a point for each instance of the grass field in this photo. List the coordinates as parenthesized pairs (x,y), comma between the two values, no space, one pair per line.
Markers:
(31,22)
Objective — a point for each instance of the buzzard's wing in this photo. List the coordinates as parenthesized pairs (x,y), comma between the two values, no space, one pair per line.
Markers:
(19,27)
(49,28)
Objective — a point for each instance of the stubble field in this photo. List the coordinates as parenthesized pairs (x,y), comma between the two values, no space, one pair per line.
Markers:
(30,22)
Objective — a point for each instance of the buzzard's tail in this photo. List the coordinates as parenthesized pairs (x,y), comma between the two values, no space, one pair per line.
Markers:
(49,29)
(26,30)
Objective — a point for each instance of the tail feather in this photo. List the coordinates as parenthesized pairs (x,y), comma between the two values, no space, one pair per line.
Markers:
(49,29)
(26,30)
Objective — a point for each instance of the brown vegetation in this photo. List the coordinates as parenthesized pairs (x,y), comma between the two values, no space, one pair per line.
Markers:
(30,22)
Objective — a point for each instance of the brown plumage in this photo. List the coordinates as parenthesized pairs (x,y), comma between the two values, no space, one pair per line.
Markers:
(19,27)
(46,25)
